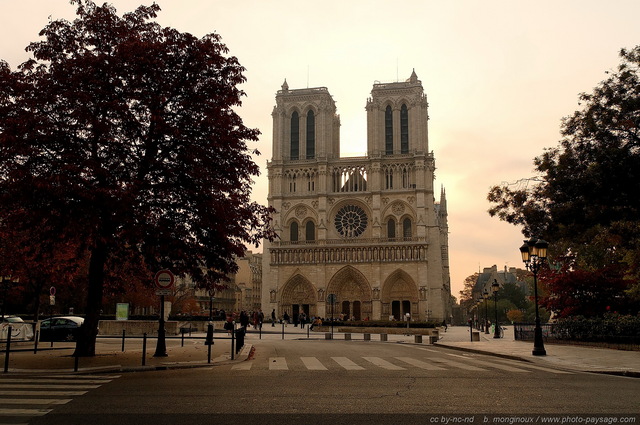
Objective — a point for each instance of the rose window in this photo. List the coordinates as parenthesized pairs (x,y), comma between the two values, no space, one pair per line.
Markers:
(351,221)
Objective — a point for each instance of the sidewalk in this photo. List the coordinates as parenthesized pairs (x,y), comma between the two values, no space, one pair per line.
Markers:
(587,359)
(111,358)
(194,353)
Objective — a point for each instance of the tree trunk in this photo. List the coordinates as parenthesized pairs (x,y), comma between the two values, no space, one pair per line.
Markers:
(86,344)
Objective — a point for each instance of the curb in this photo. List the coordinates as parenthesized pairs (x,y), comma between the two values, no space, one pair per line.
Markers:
(220,360)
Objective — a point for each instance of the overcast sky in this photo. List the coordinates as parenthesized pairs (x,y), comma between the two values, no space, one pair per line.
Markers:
(499,77)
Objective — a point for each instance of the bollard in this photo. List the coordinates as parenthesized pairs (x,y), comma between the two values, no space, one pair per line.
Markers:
(283,329)
(123,338)
(144,348)
(308,331)
(8,350)
(182,339)
(35,344)
(233,336)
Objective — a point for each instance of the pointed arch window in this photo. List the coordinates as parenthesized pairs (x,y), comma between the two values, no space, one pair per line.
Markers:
(388,131)
(295,136)
(293,232)
(406,228)
(310,231)
(391,228)
(404,129)
(311,135)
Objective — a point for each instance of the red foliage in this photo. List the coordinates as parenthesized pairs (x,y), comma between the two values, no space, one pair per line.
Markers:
(585,293)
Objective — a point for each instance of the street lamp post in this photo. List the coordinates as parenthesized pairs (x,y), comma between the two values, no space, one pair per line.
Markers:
(495,287)
(485,296)
(534,252)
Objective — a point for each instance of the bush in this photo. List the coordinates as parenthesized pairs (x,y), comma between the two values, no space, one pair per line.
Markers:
(610,328)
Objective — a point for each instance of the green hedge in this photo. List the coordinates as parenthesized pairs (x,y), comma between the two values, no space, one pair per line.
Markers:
(381,324)
(610,328)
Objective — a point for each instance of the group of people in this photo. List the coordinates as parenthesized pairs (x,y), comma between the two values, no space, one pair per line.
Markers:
(254,318)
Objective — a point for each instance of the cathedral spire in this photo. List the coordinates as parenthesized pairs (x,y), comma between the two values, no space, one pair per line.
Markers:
(285,86)
(443,201)
(414,77)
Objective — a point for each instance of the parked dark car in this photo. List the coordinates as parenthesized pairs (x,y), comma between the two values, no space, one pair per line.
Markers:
(60,328)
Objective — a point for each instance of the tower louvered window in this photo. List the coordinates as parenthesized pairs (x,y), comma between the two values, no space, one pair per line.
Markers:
(295,136)
(388,131)
(311,135)
(404,129)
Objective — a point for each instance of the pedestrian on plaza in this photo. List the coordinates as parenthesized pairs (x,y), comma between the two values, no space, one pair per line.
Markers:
(260,318)
(273,317)
(228,325)
(303,319)
(244,319)
(444,323)
(286,318)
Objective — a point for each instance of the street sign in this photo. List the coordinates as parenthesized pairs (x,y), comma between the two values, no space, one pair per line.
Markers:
(52,291)
(164,292)
(164,279)
(332,298)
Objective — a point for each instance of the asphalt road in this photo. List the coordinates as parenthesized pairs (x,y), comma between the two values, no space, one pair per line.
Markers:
(311,381)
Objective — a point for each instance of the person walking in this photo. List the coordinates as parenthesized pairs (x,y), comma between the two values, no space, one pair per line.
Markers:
(273,318)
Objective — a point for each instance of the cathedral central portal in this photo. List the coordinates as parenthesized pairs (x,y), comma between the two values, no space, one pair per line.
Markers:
(353,294)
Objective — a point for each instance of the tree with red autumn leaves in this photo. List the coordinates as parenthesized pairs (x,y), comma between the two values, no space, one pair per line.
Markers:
(588,293)
(584,200)
(120,149)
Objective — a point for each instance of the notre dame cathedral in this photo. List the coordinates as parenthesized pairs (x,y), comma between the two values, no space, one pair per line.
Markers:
(361,236)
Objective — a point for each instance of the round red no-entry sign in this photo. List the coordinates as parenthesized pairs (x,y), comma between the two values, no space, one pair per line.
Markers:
(164,279)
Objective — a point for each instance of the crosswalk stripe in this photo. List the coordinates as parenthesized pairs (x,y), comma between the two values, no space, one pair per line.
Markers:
(278,363)
(48,386)
(383,363)
(312,363)
(79,377)
(34,401)
(546,369)
(43,393)
(24,412)
(497,365)
(346,363)
(246,365)
(53,381)
(419,363)
(458,365)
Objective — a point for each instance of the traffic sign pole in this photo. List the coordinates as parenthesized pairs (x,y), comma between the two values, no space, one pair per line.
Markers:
(164,280)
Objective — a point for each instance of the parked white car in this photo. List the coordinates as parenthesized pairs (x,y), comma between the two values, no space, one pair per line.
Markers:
(20,331)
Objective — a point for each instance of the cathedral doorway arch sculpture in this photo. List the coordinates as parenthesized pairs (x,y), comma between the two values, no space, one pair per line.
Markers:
(298,295)
(353,294)
(400,296)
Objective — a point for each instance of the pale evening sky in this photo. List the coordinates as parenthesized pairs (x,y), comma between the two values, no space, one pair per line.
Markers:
(499,76)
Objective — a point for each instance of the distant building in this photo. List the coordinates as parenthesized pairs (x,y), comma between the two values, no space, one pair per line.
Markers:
(366,230)
(489,274)
(243,288)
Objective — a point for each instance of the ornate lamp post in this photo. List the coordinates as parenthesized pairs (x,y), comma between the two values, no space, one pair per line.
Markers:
(485,296)
(495,287)
(534,252)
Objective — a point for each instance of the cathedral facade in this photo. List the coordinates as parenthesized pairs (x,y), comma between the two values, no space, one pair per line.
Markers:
(361,237)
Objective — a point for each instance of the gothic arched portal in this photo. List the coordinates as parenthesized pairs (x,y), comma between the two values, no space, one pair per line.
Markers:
(298,295)
(353,294)
(399,295)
